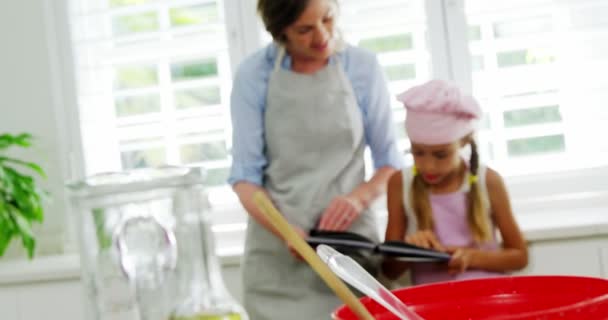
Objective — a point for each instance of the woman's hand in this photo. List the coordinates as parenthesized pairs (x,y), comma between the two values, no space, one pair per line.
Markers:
(292,250)
(341,213)
(461,259)
(425,239)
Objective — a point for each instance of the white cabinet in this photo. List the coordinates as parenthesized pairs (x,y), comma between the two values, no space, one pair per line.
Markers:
(43,300)
(8,303)
(65,299)
(232,279)
(581,257)
(51,300)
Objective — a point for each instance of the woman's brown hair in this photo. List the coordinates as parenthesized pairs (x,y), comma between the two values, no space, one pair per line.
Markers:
(279,14)
(477,217)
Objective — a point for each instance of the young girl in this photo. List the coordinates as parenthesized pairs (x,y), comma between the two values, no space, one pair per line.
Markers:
(446,202)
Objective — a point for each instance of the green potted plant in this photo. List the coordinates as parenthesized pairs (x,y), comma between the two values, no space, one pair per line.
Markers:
(20,195)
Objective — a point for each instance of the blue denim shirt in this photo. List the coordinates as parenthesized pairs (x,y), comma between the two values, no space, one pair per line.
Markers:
(248,104)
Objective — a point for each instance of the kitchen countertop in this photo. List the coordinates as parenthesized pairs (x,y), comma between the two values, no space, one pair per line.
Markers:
(65,267)
(585,223)
(566,224)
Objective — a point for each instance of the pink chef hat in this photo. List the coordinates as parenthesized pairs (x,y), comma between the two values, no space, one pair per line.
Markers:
(437,113)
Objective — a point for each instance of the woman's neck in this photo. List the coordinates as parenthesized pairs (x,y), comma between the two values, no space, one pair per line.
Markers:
(307,65)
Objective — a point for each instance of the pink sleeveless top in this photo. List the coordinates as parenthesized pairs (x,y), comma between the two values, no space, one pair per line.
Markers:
(451,228)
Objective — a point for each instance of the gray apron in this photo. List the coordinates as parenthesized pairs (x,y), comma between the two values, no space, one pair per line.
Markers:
(314,145)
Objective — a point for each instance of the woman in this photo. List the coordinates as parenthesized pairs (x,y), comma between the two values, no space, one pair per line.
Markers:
(303,110)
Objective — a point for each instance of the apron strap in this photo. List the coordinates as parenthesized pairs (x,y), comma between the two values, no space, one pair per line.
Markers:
(279,59)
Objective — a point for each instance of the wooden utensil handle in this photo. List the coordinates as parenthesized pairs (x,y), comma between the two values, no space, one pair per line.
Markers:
(289,234)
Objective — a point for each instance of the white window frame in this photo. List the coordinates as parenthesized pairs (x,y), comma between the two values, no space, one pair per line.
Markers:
(450,59)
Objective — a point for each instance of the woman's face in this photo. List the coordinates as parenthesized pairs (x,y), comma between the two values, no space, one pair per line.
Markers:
(311,36)
(435,163)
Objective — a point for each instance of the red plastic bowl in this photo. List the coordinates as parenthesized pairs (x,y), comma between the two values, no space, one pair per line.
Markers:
(505,298)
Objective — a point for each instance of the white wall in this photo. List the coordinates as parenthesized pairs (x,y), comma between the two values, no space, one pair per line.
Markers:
(30,101)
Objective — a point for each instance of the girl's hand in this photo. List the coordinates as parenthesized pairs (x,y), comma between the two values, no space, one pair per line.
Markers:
(461,259)
(341,213)
(426,239)
(292,250)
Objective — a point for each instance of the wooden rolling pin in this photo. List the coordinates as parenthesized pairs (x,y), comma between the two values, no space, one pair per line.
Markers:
(278,221)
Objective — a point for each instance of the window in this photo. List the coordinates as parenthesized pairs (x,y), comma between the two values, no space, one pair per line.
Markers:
(154,76)
(149,79)
(146,78)
(396,31)
(149,82)
(539,69)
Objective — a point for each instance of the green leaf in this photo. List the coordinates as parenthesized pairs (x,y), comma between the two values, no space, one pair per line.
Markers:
(6,184)
(30,245)
(23,225)
(6,228)
(36,168)
(23,140)
(21,199)
(5,240)
(23,190)
(24,229)
(6,140)
(30,165)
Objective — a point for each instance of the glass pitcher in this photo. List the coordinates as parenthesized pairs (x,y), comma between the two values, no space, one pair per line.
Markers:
(146,246)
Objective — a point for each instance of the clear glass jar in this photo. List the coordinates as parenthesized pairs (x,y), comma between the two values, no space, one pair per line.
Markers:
(146,246)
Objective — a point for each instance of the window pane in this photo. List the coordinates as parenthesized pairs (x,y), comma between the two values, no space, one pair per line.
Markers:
(523,57)
(194,70)
(400,128)
(204,152)
(537,145)
(531,116)
(531,94)
(135,77)
(136,23)
(487,151)
(217,176)
(522,27)
(153,73)
(388,43)
(474,33)
(197,97)
(477,63)
(153,157)
(118,3)
(396,30)
(534,64)
(194,15)
(486,122)
(400,72)
(137,105)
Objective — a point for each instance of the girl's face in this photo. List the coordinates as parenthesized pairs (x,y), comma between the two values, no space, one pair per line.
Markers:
(435,163)
(311,36)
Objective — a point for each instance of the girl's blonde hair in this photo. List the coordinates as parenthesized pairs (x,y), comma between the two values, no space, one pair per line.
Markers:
(477,217)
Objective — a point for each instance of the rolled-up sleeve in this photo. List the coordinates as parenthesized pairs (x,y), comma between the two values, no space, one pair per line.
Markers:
(380,131)
(247,102)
